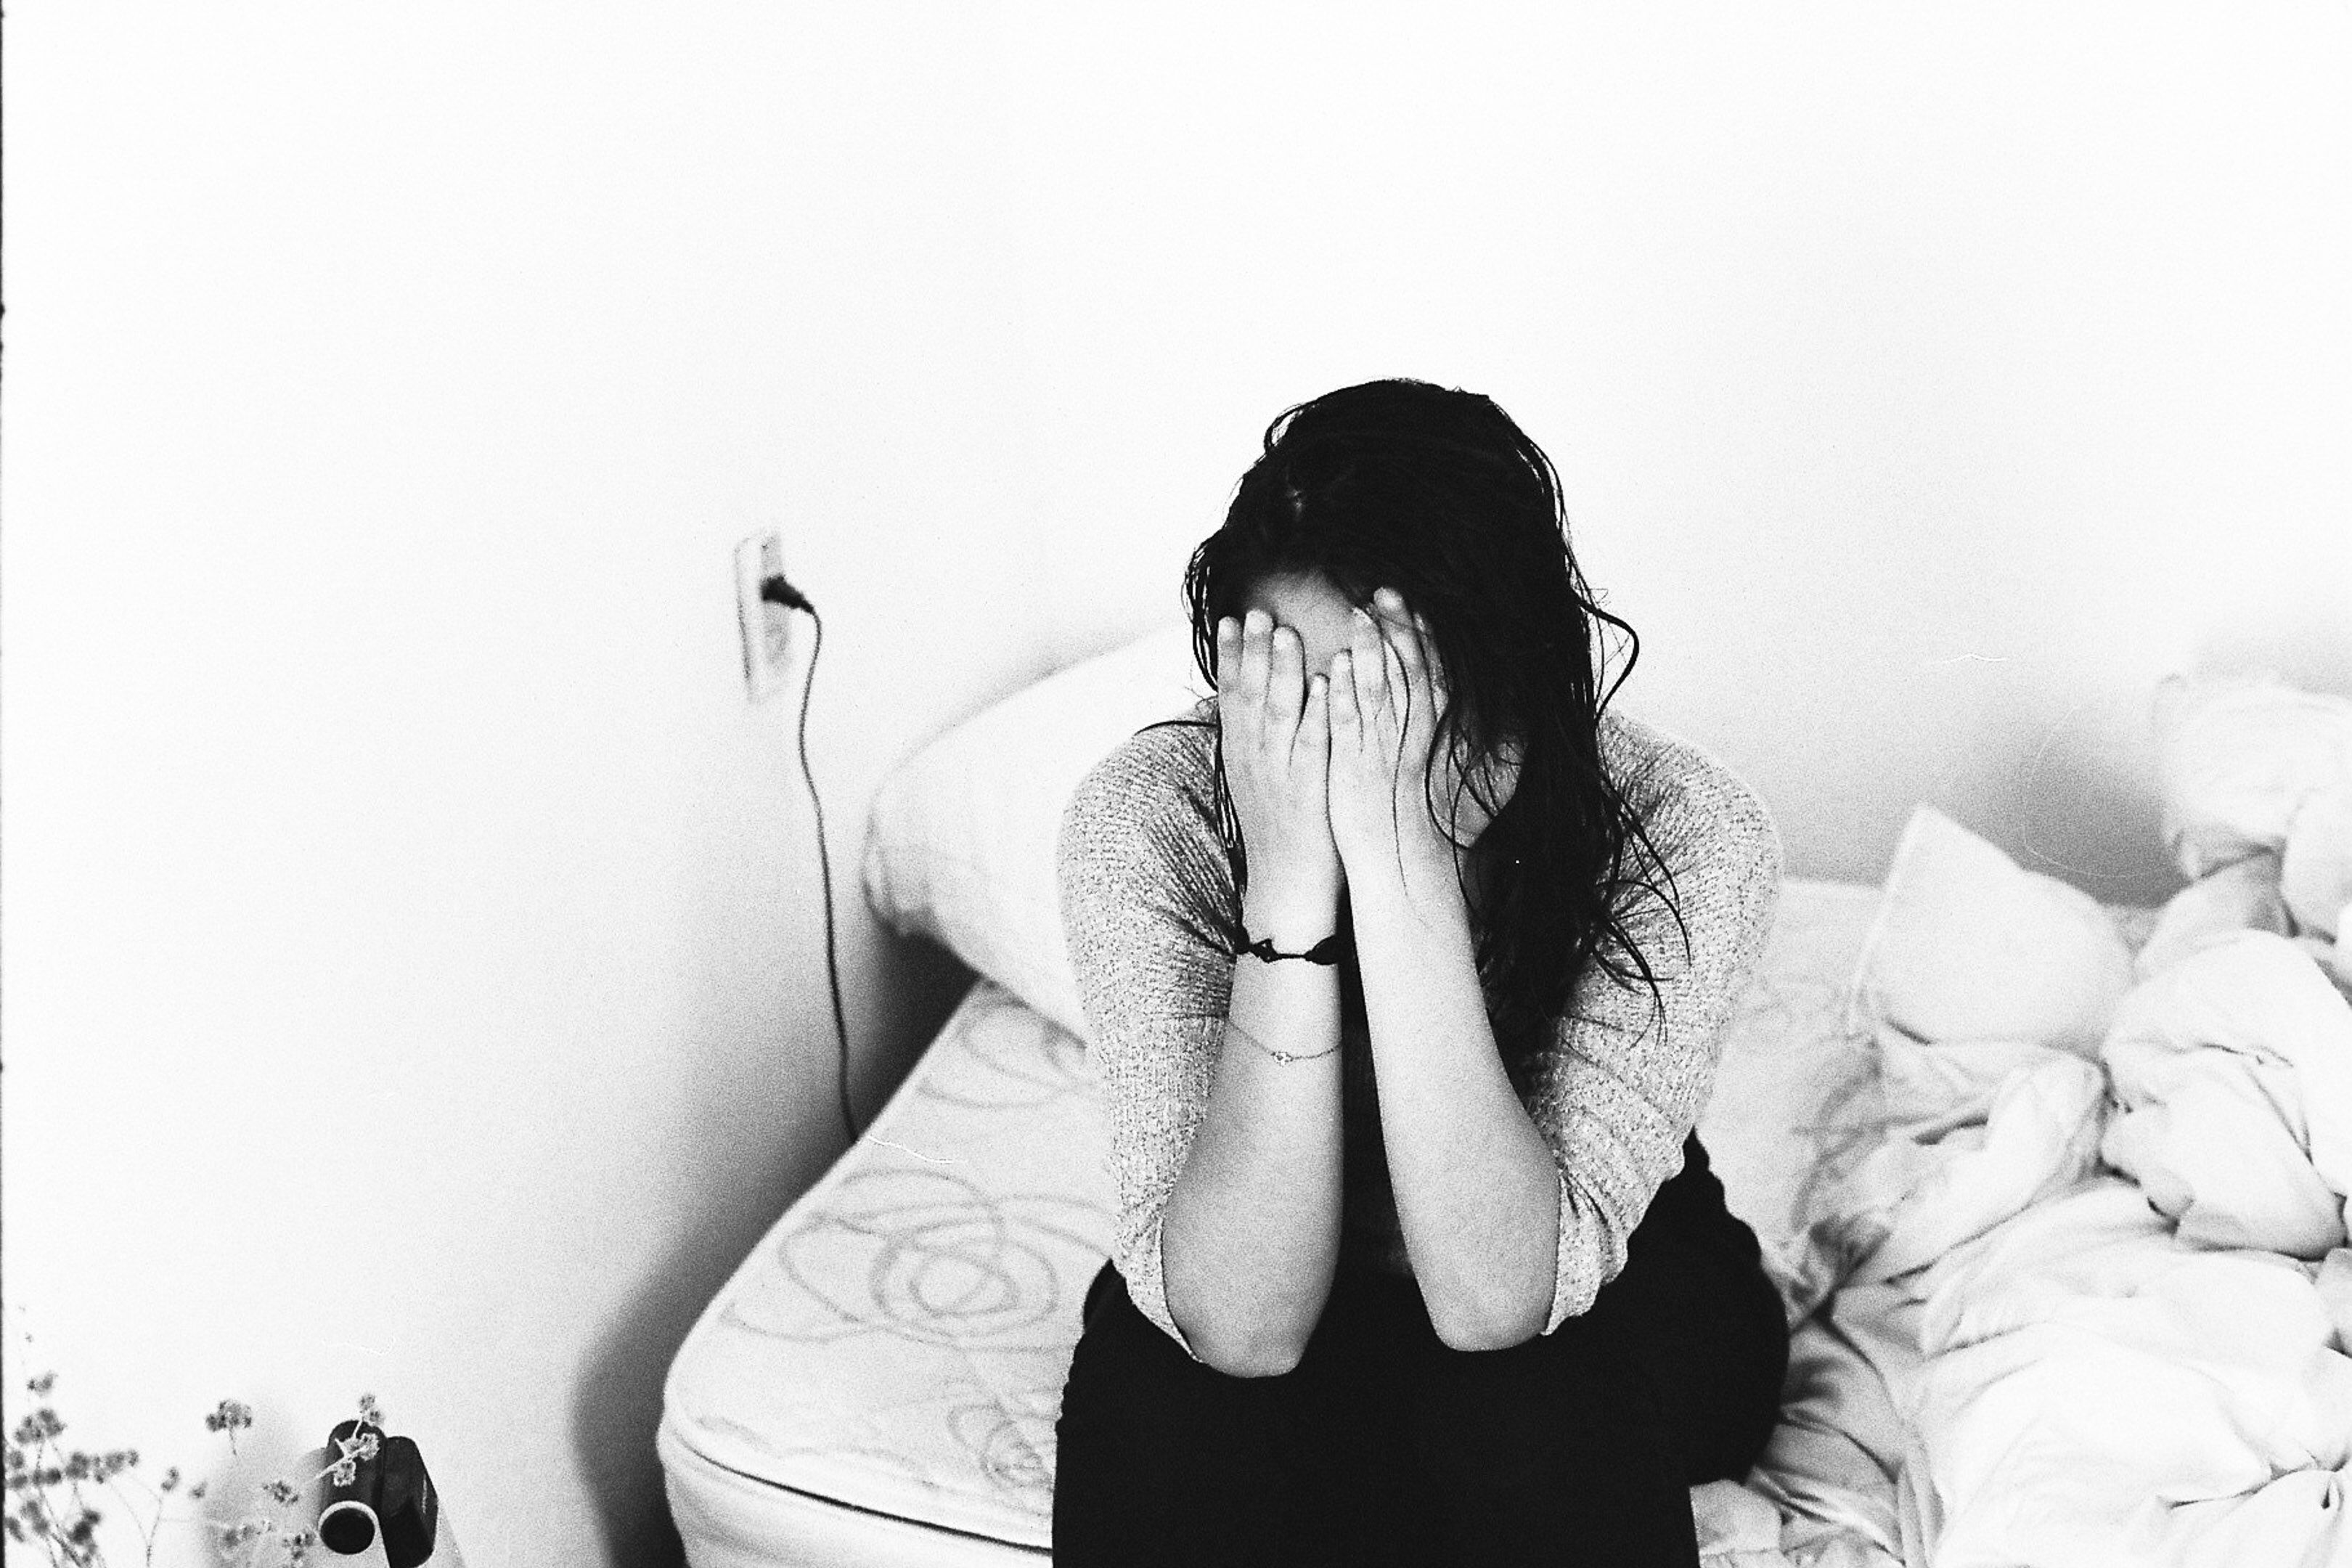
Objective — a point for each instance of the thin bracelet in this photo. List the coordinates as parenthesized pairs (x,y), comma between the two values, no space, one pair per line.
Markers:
(1326,951)
(1287,1058)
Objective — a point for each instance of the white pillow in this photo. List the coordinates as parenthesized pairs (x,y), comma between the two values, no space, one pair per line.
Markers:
(1795,1096)
(1967,946)
(2316,874)
(2236,761)
(961,845)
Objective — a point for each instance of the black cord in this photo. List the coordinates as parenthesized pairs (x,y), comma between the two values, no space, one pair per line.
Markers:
(776,591)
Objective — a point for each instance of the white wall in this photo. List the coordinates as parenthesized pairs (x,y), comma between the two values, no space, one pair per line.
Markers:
(1925,380)
(412,945)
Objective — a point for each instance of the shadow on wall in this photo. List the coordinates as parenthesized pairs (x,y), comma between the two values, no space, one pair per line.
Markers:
(2072,788)
(912,987)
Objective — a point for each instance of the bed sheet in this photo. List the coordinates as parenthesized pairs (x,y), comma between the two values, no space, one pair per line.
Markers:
(2087,1226)
(879,1382)
(2104,1293)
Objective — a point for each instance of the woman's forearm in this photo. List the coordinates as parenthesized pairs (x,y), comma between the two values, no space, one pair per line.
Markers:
(1250,1234)
(1476,1186)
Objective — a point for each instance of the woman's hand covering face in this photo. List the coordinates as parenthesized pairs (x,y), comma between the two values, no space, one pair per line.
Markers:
(1274,724)
(1387,693)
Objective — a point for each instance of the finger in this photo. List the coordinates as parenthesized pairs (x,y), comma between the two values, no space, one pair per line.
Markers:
(1432,668)
(1312,743)
(1346,720)
(1388,609)
(1365,663)
(1401,628)
(1408,701)
(1409,635)
(1230,706)
(1257,634)
(1286,678)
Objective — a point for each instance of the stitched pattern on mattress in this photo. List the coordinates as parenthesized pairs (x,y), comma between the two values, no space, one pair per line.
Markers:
(899,1338)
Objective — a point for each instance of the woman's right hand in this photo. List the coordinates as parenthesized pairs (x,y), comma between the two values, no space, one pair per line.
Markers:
(1275,726)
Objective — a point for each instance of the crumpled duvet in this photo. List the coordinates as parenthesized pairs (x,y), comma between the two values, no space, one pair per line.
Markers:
(2252,768)
(2108,1291)
(2232,1073)
(2077,1381)
(2094,1390)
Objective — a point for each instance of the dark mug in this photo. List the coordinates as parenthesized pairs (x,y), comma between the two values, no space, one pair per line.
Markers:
(347,1517)
(405,1503)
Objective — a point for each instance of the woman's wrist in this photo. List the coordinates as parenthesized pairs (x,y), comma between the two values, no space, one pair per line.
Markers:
(1418,876)
(1295,907)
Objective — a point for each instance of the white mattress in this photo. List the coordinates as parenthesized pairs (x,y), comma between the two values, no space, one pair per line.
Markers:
(877,1384)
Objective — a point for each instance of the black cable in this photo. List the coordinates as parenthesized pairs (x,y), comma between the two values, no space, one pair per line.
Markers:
(776,591)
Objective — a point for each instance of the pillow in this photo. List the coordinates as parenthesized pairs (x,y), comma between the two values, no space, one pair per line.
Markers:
(1966,946)
(961,843)
(2236,761)
(1794,1094)
(2253,770)
(2315,873)
(1861,1125)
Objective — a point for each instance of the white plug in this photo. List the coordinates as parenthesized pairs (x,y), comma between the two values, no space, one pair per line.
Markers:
(767,626)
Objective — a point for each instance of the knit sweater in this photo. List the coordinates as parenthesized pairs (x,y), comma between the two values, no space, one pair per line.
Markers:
(1614,1089)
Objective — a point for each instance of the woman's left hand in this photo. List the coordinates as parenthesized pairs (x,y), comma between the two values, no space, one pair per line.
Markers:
(1387,693)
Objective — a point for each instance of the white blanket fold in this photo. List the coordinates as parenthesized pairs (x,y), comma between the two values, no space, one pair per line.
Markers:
(2095,1391)
(2089,1213)
(2109,1291)
(2232,1069)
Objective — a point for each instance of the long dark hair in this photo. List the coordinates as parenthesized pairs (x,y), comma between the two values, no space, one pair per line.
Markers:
(1438,494)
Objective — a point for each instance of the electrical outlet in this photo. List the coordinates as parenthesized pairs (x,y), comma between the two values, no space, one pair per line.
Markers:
(767,627)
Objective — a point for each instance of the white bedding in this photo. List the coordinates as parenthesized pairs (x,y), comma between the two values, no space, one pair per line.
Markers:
(879,1382)
(2103,1274)
(2131,1361)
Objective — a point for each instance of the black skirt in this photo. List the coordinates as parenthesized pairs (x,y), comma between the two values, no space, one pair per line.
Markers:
(1384,1445)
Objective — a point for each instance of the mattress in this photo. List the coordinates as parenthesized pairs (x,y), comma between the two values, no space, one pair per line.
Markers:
(877,1384)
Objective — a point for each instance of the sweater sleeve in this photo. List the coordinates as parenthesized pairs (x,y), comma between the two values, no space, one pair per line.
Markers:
(1627,1075)
(1142,879)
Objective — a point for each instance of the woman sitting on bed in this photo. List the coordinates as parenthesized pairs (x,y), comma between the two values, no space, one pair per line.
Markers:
(1406,963)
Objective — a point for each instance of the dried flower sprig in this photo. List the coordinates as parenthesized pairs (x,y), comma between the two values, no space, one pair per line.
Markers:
(231,1417)
(49,1489)
(356,1451)
(49,1508)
